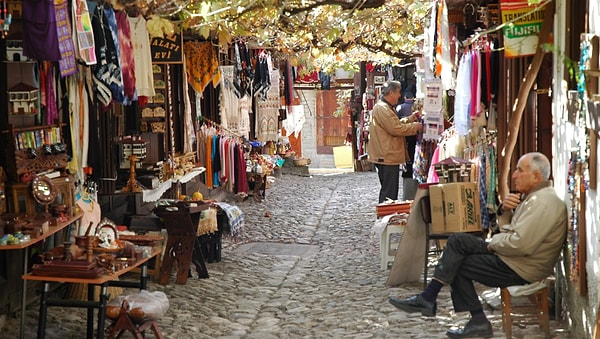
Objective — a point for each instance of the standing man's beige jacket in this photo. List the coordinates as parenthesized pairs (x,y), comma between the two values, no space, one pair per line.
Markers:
(386,135)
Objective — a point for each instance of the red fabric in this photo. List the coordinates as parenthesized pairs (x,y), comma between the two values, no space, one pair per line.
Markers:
(241,180)
(307,78)
(488,73)
(127,60)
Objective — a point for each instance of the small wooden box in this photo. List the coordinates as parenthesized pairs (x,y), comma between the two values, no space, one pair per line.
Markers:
(453,170)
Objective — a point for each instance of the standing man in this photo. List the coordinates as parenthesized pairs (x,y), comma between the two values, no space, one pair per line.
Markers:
(404,110)
(387,146)
(533,228)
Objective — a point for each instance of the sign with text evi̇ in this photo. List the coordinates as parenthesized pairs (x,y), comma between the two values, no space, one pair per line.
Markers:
(523,23)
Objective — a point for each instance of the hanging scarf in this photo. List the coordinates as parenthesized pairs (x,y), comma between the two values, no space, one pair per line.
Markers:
(126,60)
(51,109)
(67,62)
(144,81)
(84,36)
(188,136)
(116,85)
(202,65)
(107,73)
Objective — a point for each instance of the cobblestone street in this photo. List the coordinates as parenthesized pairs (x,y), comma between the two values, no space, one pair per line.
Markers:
(306,266)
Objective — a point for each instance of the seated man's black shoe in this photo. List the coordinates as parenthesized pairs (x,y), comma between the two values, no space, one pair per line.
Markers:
(473,330)
(414,304)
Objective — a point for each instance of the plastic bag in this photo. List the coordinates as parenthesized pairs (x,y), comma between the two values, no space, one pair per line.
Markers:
(143,305)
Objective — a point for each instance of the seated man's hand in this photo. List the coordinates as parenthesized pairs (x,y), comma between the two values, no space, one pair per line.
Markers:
(511,201)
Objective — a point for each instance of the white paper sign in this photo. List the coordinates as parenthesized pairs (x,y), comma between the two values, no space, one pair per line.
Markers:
(433,96)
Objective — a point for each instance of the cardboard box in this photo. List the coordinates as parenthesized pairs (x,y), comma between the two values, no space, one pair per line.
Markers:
(455,207)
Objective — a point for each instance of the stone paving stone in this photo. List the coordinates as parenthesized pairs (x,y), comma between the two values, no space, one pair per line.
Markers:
(334,290)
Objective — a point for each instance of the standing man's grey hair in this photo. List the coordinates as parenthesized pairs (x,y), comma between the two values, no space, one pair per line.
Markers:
(539,162)
(390,86)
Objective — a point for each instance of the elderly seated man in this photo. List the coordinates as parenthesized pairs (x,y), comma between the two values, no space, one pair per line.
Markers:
(533,229)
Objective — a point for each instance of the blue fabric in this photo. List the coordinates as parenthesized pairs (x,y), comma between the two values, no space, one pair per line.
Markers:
(216,161)
(485,217)
(235,218)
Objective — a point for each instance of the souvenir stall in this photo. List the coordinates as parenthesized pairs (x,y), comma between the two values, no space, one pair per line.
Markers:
(458,80)
(100,128)
(467,114)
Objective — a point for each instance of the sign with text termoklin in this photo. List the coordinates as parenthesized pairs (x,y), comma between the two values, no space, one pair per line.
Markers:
(167,50)
(455,207)
(524,24)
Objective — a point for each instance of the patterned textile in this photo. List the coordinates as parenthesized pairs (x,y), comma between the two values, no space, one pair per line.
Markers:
(262,81)
(229,102)
(117,89)
(84,41)
(201,64)
(423,159)
(235,218)
(485,217)
(107,71)
(50,94)
(126,60)
(67,61)
(245,109)
(268,111)
(243,70)
(491,178)
(208,222)
(189,136)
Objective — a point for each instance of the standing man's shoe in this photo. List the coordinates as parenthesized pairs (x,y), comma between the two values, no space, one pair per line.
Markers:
(473,330)
(414,304)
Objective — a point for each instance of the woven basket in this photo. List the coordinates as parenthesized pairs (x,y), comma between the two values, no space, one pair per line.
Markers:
(301,162)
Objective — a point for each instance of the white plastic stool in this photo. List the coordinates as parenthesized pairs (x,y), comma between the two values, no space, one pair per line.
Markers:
(388,243)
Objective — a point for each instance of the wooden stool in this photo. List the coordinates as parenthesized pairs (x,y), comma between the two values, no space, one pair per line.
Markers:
(125,323)
(533,312)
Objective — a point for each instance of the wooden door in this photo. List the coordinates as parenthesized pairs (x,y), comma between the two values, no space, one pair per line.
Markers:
(331,130)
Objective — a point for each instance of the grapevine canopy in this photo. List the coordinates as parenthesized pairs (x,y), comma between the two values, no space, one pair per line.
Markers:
(324,34)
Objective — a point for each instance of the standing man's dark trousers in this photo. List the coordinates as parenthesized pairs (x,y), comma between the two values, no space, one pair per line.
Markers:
(389,176)
(466,259)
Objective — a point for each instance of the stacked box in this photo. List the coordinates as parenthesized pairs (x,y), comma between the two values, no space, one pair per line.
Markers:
(455,207)
(454,170)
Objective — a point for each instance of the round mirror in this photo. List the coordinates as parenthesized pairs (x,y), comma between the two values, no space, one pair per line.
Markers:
(43,190)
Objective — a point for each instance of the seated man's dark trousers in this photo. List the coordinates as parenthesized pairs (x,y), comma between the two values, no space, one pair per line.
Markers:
(466,259)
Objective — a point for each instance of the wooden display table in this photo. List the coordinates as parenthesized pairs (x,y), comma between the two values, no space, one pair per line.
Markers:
(24,246)
(181,221)
(105,280)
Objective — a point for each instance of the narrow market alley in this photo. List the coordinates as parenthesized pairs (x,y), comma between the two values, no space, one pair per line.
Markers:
(306,266)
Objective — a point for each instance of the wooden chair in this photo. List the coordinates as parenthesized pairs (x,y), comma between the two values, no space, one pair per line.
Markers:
(125,323)
(534,309)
